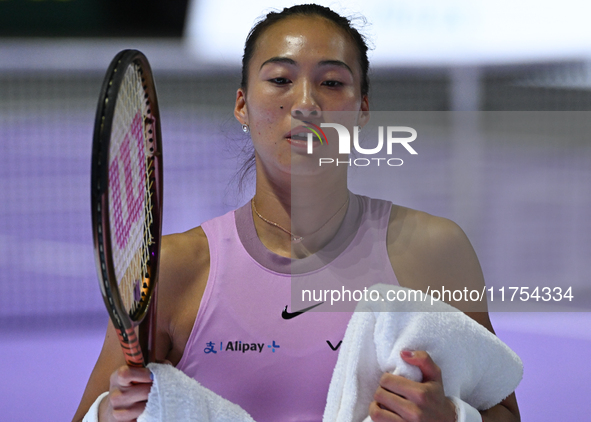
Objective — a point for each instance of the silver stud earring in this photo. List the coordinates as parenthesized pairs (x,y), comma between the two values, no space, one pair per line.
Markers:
(245,128)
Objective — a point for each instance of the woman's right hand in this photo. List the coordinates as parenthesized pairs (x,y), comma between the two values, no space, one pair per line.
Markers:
(128,394)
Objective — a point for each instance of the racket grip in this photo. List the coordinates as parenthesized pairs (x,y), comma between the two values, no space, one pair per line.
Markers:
(131,348)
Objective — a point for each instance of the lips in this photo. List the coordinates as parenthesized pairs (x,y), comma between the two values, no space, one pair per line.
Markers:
(298,137)
(299,132)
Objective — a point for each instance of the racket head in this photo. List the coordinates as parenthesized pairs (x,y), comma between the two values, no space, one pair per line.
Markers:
(126,192)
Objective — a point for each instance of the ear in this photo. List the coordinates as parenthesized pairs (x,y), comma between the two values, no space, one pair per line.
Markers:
(364,111)
(240,110)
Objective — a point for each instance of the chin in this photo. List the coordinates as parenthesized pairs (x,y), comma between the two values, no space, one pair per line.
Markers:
(309,167)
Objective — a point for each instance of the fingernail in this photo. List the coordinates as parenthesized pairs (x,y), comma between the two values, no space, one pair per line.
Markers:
(152,375)
(407,353)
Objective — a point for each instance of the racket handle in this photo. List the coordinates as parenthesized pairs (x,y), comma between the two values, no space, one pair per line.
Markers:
(131,348)
(147,329)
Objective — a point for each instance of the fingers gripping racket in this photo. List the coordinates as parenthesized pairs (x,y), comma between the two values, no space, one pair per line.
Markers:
(127,201)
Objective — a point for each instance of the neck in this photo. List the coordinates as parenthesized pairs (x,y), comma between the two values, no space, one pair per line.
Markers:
(304,207)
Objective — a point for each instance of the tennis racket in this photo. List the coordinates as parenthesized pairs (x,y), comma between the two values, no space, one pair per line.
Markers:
(126,186)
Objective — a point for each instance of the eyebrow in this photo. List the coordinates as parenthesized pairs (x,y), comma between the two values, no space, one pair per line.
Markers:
(287,60)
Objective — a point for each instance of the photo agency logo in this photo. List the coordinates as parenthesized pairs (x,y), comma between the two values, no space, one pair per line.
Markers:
(345,144)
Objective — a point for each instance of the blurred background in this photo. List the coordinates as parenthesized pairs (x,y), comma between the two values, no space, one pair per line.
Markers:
(515,172)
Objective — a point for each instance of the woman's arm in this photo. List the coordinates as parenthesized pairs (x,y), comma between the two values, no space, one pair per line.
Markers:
(430,252)
(184,268)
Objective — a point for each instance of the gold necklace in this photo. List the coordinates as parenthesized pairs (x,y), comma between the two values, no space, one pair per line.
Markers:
(295,238)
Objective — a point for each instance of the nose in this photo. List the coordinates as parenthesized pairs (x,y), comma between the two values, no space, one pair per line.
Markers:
(305,105)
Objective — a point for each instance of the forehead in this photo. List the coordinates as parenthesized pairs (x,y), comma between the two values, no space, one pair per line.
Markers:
(306,38)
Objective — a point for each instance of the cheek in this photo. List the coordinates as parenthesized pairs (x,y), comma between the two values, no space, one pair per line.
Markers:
(265,123)
(266,116)
(265,127)
(350,100)
(267,104)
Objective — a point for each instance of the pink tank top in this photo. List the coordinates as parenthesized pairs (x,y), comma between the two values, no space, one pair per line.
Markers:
(277,365)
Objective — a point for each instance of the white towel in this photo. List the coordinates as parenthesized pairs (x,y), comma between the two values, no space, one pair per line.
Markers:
(476,366)
(174,397)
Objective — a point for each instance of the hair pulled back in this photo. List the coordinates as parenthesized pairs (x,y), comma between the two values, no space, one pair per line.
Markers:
(341,22)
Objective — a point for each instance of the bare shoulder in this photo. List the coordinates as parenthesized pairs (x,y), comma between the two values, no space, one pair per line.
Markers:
(184,269)
(424,236)
(182,255)
(433,252)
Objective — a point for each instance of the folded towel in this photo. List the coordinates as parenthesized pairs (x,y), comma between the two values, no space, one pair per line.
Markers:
(175,397)
(476,366)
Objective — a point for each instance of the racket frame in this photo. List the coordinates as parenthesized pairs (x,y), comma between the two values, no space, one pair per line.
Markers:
(138,351)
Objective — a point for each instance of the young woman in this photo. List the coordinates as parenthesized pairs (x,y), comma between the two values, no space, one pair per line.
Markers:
(229,280)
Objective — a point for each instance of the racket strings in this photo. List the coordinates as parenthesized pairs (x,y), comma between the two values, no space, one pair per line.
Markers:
(141,301)
(130,172)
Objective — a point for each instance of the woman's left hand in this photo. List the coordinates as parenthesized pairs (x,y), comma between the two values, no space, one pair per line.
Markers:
(399,399)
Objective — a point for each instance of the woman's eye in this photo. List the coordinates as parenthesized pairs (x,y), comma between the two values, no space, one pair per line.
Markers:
(332,84)
(279,81)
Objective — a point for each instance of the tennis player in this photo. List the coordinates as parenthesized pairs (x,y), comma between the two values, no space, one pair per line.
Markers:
(224,286)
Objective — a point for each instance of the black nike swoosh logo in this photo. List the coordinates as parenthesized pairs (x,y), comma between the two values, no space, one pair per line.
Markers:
(290,315)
